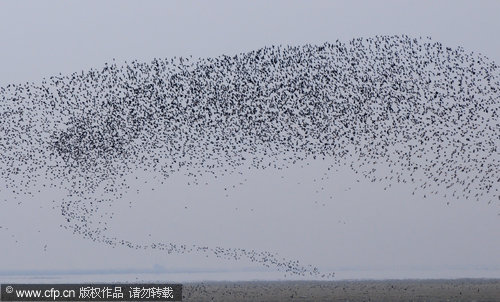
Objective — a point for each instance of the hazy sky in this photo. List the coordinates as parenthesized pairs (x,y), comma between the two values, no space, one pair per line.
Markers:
(43,38)
(364,228)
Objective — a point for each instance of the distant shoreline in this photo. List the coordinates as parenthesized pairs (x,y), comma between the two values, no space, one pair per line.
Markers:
(243,274)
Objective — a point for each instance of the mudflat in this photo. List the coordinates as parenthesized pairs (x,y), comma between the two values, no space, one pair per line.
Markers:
(353,291)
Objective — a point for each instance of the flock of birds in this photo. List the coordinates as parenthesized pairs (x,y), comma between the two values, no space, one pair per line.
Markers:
(426,112)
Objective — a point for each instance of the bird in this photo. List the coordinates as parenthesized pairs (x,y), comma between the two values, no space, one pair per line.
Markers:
(427,111)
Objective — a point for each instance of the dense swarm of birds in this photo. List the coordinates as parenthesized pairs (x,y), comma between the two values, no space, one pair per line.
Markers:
(427,112)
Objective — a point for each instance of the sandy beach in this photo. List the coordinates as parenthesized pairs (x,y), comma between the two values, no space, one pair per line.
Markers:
(353,291)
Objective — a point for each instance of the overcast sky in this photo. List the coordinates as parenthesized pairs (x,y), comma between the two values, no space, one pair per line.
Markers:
(43,38)
(365,228)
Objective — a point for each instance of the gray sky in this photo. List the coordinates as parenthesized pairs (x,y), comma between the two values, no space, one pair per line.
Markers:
(43,38)
(365,228)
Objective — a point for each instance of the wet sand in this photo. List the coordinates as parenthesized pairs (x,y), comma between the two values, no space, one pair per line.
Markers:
(353,291)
